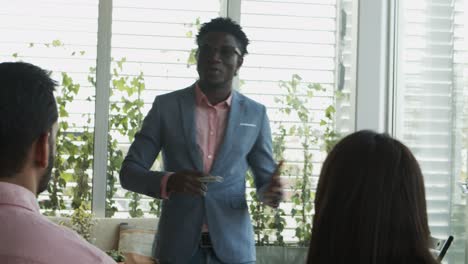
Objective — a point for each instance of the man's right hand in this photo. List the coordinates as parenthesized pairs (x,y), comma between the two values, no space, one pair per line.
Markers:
(187,182)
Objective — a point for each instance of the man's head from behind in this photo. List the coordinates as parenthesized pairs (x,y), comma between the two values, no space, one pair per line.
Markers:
(28,125)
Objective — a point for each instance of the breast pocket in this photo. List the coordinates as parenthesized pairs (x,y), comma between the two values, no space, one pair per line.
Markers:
(247,134)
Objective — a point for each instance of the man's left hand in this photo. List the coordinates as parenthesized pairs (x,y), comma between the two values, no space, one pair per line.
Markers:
(274,193)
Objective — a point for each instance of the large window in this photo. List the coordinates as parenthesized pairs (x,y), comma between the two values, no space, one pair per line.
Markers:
(113,57)
(152,43)
(295,67)
(300,52)
(46,33)
(432,107)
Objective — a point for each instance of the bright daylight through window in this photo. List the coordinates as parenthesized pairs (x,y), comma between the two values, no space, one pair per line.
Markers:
(301,65)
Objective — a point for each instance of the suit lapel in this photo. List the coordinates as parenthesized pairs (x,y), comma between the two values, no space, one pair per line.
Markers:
(230,135)
(187,110)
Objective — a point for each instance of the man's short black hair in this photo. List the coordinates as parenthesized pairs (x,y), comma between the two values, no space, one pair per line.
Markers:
(227,25)
(27,110)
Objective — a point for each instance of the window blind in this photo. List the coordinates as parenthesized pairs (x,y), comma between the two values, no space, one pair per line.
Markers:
(302,38)
(429,119)
(47,34)
(156,38)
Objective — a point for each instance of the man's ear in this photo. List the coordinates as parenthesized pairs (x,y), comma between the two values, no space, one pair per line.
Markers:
(41,151)
(240,60)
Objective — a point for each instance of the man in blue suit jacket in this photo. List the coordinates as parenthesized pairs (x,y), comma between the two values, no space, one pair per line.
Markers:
(206,222)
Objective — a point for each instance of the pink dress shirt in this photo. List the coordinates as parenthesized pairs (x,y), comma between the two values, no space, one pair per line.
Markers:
(210,123)
(26,236)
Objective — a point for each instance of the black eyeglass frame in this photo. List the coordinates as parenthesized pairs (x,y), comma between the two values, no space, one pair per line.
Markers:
(229,51)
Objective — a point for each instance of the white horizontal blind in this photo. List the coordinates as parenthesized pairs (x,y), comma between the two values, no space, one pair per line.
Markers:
(457,254)
(288,38)
(426,121)
(47,34)
(429,60)
(29,28)
(156,38)
(346,63)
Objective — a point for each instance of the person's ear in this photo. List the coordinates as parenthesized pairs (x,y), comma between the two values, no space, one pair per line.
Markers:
(240,60)
(41,152)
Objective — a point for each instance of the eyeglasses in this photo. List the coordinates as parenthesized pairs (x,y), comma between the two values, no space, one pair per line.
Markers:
(225,52)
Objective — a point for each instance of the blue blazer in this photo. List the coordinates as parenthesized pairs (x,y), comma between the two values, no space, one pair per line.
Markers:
(169,128)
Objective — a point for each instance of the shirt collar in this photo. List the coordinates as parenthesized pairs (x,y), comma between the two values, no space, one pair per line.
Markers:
(13,194)
(201,98)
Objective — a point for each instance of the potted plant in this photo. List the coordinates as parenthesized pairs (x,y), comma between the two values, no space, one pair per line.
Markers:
(269,226)
(116,255)
(81,221)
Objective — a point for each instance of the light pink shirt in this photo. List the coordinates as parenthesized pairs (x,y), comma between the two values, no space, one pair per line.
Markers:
(26,236)
(210,122)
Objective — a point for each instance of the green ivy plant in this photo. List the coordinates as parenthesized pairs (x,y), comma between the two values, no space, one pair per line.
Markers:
(125,118)
(66,150)
(75,149)
(294,104)
(193,29)
(73,162)
(278,222)
(258,214)
(269,224)
(128,119)
(265,220)
(330,136)
(116,255)
(81,221)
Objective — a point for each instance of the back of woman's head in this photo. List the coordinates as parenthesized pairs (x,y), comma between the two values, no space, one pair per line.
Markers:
(370,204)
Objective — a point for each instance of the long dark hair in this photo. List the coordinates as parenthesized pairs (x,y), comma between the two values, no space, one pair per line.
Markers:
(370,205)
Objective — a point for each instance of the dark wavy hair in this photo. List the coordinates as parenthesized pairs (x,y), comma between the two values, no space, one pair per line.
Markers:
(28,109)
(227,25)
(370,205)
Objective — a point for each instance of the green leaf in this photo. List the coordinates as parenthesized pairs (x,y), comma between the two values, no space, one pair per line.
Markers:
(292,130)
(121,62)
(66,80)
(317,87)
(192,60)
(57,43)
(63,112)
(68,177)
(329,111)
